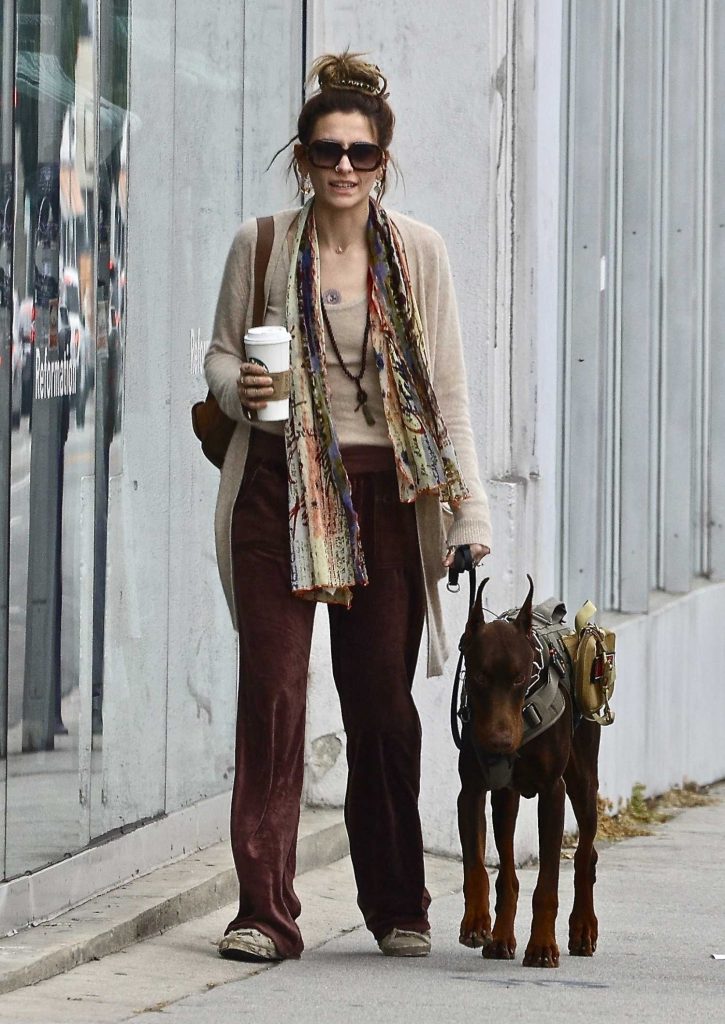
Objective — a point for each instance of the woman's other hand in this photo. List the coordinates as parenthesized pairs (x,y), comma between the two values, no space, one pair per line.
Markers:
(254,386)
(478,553)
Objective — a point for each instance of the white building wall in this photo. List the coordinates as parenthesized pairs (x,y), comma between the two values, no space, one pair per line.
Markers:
(479,90)
(553,156)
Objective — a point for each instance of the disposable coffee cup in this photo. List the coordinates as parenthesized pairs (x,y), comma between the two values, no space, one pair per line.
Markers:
(269,347)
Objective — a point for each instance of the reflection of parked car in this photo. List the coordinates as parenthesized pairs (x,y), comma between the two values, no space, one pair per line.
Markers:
(26,344)
(82,343)
(79,396)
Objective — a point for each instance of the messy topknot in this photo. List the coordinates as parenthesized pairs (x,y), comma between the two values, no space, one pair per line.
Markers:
(348,71)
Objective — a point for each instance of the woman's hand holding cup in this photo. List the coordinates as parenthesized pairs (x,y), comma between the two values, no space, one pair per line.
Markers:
(254,386)
(264,381)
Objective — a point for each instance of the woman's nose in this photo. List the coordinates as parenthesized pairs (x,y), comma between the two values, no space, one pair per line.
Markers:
(344,165)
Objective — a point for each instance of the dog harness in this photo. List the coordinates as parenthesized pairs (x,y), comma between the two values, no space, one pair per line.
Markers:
(579,661)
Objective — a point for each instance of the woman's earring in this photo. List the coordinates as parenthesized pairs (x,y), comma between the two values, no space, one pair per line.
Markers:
(306,185)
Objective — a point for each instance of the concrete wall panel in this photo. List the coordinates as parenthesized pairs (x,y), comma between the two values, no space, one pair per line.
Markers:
(637,327)
(715,275)
(134,762)
(585,313)
(682,289)
(206,139)
(273,71)
(665,733)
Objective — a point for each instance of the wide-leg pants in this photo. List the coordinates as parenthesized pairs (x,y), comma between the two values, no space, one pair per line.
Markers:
(374,652)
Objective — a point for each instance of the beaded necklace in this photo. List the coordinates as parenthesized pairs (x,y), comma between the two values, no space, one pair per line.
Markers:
(356,378)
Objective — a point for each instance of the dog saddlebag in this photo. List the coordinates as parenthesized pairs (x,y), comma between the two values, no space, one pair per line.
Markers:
(591,649)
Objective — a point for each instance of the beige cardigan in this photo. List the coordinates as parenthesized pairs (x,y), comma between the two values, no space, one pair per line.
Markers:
(433,287)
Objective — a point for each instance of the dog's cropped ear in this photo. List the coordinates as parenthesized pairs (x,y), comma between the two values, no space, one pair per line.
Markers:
(524,618)
(475,617)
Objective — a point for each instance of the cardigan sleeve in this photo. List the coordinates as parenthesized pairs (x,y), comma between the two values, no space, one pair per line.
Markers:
(225,353)
(471,519)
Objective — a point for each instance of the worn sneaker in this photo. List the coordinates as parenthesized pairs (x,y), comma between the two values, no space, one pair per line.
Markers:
(248,944)
(402,943)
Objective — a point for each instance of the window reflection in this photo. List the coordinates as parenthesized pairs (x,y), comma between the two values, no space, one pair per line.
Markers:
(53,445)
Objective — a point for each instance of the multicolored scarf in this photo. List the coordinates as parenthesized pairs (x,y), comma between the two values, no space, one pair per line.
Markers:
(327,557)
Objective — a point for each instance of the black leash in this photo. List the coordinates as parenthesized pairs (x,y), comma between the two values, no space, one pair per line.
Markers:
(462,562)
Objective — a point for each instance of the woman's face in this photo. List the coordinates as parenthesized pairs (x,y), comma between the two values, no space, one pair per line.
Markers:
(341,188)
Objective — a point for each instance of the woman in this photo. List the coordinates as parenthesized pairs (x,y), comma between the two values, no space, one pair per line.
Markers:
(344,503)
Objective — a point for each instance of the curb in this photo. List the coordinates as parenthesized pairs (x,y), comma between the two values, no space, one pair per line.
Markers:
(179,892)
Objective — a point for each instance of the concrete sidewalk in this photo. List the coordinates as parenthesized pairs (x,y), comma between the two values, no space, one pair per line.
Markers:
(187,889)
(660,904)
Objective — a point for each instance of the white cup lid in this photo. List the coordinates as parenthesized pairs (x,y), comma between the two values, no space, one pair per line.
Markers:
(265,335)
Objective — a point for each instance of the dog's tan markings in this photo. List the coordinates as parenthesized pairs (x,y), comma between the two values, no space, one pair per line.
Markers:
(475,928)
(504,808)
(542,950)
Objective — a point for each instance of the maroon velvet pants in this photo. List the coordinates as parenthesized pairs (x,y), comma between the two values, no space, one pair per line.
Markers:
(374,652)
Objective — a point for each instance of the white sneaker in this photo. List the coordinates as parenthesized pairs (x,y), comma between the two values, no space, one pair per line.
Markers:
(248,944)
(402,943)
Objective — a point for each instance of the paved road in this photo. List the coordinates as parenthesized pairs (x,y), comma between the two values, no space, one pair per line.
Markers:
(661,905)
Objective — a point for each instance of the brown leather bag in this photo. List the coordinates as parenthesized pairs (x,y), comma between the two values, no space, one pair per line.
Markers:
(212,426)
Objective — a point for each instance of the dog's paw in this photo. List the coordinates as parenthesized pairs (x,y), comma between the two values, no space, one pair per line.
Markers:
(501,948)
(541,955)
(475,931)
(475,939)
(583,933)
(583,942)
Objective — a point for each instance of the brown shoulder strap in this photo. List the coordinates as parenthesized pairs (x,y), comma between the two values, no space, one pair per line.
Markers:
(265,240)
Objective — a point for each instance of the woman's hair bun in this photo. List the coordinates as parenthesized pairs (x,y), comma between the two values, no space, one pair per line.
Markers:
(348,71)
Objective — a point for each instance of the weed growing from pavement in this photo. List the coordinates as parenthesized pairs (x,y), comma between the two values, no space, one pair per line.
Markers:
(637,815)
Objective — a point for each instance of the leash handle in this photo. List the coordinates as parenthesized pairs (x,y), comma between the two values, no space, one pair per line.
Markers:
(462,562)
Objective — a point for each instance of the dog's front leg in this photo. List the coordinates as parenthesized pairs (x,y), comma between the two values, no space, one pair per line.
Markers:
(476,923)
(542,950)
(505,809)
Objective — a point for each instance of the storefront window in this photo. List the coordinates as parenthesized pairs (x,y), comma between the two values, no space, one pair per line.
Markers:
(63,164)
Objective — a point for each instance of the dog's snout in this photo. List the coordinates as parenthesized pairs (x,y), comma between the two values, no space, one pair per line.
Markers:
(501,743)
(499,737)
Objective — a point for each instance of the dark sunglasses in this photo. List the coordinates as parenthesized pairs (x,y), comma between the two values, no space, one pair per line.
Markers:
(363,156)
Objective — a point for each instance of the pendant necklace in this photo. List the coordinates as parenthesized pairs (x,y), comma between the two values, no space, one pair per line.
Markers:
(356,378)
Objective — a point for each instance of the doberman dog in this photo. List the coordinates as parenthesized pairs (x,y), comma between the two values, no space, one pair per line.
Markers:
(500,661)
